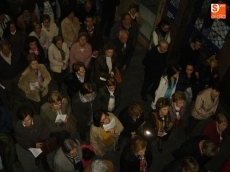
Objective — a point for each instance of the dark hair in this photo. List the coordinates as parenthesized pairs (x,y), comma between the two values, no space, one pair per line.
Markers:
(97,117)
(217,86)
(6,33)
(137,144)
(124,15)
(196,39)
(109,46)
(4,43)
(87,154)
(111,82)
(88,1)
(31,57)
(89,16)
(76,66)
(162,102)
(134,6)
(68,145)
(209,148)
(31,39)
(86,88)
(172,70)
(45,17)
(163,23)
(23,112)
(81,34)
(56,39)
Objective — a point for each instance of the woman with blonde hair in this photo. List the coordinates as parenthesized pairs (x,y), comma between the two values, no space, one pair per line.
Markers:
(57,115)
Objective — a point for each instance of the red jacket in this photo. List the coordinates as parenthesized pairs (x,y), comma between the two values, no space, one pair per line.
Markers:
(211,131)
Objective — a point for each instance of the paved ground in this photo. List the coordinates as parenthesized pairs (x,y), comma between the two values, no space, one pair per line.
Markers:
(131,92)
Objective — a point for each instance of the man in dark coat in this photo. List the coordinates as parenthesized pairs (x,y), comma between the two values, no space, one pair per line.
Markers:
(155,63)
(126,23)
(124,50)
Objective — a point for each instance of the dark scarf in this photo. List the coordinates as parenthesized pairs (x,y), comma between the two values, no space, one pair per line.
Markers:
(62,53)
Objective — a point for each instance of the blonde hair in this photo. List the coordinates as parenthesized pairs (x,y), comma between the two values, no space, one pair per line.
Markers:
(55,97)
(190,164)
(213,59)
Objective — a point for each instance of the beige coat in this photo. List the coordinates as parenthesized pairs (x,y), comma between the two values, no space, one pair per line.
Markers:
(70,30)
(55,58)
(204,106)
(96,139)
(28,77)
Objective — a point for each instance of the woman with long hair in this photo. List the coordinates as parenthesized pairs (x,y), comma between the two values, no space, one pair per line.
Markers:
(167,84)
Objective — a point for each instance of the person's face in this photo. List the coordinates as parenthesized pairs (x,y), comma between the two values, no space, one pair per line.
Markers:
(57,105)
(5,49)
(214,93)
(123,38)
(33,45)
(189,69)
(89,95)
(222,126)
(111,88)
(27,121)
(133,11)
(213,64)
(88,6)
(163,48)
(37,29)
(176,75)
(81,72)
(2,16)
(105,119)
(26,13)
(12,28)
(127,20)
(71,15)
(197,45)
(165,28)
(73,152)
(141,152)
(180,103)
(89,22)
(109,53)
(164,111)
(82,41)
(46,23)
(34,65)
(59,44)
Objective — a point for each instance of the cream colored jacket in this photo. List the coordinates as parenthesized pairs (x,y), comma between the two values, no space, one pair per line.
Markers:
(55,58)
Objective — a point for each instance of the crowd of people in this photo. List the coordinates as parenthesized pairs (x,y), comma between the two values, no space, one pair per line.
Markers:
(78,45)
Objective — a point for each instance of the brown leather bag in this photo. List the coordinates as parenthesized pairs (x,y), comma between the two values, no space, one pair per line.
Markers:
(117,75)
(49,146)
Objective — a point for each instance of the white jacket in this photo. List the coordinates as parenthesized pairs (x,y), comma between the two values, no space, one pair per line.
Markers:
(55,58)
(160,92)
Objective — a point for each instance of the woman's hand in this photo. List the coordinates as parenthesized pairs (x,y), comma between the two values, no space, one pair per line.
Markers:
(111,130)
(39,145)
(170,125)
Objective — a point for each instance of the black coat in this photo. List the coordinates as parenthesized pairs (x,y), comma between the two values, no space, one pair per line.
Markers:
(104,95)
(96,40)
(128,123)
(207,77)
(129,162)
(74,84)
(155,63)
(123,58)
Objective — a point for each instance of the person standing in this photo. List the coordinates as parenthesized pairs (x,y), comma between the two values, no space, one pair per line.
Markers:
(10,71)
(155,63)
(205,106)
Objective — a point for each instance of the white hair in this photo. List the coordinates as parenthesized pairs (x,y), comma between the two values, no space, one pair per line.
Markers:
(98,165)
